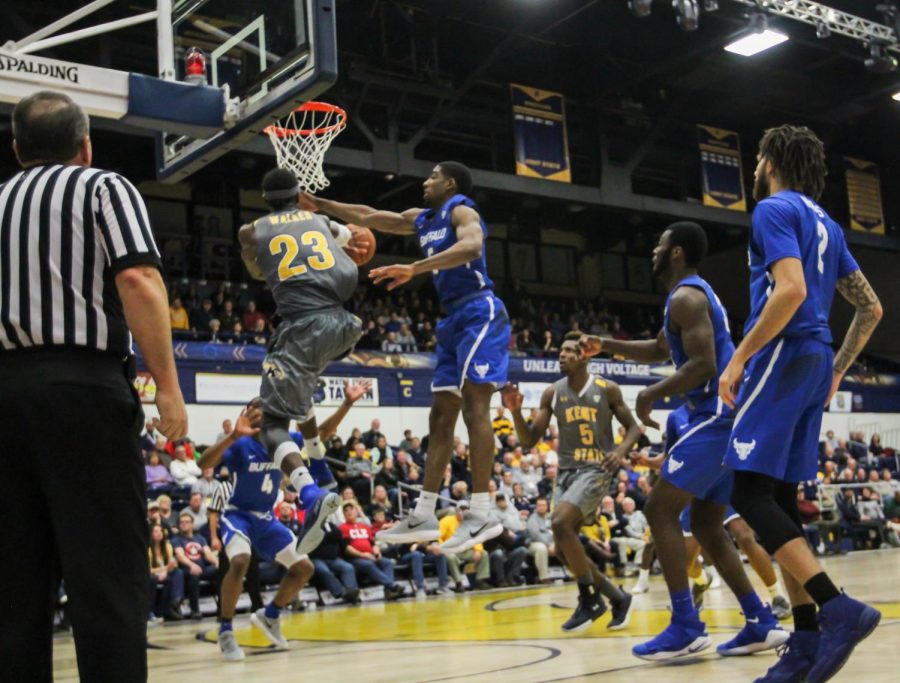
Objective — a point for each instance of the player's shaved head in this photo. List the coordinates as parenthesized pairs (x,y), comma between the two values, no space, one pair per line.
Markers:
(692,240)
(459,173)
(48,127)
(280,189)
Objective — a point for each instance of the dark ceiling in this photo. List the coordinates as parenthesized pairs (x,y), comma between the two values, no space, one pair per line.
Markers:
(634,88)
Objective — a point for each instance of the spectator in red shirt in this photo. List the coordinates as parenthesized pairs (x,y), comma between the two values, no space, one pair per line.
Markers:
(251,316)
(364,555)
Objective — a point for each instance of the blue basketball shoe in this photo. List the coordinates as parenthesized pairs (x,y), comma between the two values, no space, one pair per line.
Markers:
(682,637)
(761,632)
(796,658)
(318,504)
(843,623)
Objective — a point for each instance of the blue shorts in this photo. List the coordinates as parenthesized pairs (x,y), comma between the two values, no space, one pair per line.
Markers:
(780,406)
(730,515)
(268,537)
(695,440)
(473,344)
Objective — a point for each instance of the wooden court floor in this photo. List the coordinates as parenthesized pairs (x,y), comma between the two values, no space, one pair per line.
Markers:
(510,635)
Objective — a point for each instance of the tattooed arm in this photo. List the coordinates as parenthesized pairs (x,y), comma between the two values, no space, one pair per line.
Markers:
(856,289)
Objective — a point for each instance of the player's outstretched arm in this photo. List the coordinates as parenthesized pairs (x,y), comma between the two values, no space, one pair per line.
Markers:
(468,247)
(788,294)
(623,414)
(352,393)
(689,312)
(366,216)
(528,435)
(243,426)
(855,288)
(646,351)
(247,238)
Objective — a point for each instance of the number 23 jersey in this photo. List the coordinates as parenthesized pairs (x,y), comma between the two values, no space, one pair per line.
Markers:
(255,477)
(791,225)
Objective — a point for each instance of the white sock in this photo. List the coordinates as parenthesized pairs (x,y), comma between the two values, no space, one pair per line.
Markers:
(301,478)
(425,505)
(481,504)
(643,576)
(775,590)
(313,448)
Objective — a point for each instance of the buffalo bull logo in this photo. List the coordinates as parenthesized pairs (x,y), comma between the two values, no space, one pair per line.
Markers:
(744,448)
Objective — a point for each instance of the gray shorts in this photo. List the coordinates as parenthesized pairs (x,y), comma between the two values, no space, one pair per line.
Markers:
(298,353)
(584,488)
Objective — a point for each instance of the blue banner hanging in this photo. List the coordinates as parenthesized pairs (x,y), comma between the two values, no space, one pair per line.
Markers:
(539,124)
(720,160)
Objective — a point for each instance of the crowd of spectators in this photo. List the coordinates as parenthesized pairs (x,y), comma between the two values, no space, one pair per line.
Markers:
(398,322)
(855,504)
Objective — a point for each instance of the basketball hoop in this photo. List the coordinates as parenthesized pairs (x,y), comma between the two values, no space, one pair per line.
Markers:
(302,138)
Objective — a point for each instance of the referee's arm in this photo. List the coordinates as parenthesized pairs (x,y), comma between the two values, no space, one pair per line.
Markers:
(134,260)
(146,307)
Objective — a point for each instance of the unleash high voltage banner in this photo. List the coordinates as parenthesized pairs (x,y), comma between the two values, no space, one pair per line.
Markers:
(720,160)
(864,194)
(539,121)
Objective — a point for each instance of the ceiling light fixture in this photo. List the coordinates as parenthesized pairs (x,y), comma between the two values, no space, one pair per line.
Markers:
(880,61)
(822,30)
(640,8)
(760,38)
(687,14)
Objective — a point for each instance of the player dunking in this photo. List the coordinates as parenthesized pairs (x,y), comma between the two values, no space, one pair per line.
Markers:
(584,406)
(695,333)
(299,255)
(472,350)
(798,256)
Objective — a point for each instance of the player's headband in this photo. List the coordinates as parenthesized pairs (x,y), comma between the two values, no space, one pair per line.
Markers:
(290,193)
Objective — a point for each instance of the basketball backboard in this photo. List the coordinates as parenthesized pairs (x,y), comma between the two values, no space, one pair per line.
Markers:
(270,56)
(251,62)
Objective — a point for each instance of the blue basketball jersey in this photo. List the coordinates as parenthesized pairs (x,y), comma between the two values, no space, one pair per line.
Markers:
(256,478)
(436,234)
(791,225)
(721,336)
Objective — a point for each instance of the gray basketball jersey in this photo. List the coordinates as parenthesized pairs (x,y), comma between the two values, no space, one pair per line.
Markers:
(303,265)
(585,423)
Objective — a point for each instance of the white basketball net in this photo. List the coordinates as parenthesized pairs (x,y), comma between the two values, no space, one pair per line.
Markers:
(301,139)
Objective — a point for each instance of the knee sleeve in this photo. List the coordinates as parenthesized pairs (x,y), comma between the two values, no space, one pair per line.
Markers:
(786,497)
(274,433)
(753,497)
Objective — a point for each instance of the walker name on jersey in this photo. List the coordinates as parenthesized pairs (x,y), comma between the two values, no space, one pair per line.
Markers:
(261,466)
(432,236)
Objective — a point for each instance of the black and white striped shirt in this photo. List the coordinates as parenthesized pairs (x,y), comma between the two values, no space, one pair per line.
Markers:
(65,233)
(220,497)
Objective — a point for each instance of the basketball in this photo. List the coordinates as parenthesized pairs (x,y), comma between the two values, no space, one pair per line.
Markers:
(362,238)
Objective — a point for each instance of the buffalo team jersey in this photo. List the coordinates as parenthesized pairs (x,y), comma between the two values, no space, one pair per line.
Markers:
(303,265)
(791,225)
(585,423)
(257,480)
(436,235)
(721,336)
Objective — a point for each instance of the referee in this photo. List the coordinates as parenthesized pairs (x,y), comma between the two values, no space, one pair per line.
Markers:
(78,268)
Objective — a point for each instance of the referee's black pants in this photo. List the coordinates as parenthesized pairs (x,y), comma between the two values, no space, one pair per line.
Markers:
(72,506)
